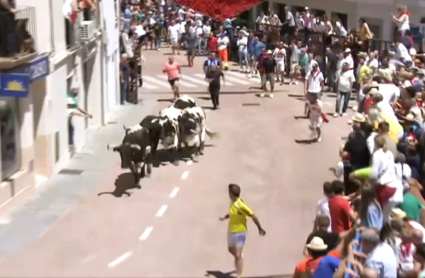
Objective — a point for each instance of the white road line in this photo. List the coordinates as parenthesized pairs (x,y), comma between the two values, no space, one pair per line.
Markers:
(181,81)
(203,76)
(185,175)
(148,86)
(156,81)
(240,75)
(236,79)
(119,260)
(194,80)
(161,211)
(146,233)
(189,162)
(174,192)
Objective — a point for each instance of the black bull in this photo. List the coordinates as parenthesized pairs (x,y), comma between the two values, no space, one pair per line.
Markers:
(135,152)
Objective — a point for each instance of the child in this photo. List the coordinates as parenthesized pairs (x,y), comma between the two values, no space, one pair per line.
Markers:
(323,205)
(315,107)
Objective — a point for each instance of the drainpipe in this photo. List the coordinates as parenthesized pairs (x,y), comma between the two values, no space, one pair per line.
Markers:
(52,33)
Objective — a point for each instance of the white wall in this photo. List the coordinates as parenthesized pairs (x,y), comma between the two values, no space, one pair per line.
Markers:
(94,87)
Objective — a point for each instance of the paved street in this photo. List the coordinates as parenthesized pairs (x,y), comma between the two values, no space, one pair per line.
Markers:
(170,227)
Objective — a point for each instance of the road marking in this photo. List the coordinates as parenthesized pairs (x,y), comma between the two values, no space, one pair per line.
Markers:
(189,162)
(119,260)
(174,192)
(239,75)
(156,81)
(194,80)
(146,233)
(203,76)
(181,82)
(161,211)
(149,86)
(185,175)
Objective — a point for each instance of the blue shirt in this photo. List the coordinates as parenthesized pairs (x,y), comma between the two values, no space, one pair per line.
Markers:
(374,218)
(251,45)
(327,267)
(209,63)
(257,49)
(227,24)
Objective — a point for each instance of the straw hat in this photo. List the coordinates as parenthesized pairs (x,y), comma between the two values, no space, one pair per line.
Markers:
(358,118)
(397,214)
(373,91)
(347,50)
(317,244)
(362,55)
(385,74)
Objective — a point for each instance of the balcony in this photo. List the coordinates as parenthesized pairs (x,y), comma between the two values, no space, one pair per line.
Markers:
(82,30)
(18,41)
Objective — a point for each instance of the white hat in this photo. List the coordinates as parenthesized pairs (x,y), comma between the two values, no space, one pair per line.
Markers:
(317,244)
(397,214)
(358,118)
(269,52)
(373,91)
(347,50)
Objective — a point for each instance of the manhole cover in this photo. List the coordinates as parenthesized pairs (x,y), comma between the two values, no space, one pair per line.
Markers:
(73,172)
(251,104)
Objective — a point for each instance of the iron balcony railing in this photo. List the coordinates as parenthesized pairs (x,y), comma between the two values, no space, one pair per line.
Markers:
(25,33)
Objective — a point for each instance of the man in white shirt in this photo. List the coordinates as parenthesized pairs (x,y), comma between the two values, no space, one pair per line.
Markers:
(173,33)
(289,23)
(380,256)
(345,85)
(223,55)
(348,59)
(315,82)
(402,53)
(242,44)
(280,57)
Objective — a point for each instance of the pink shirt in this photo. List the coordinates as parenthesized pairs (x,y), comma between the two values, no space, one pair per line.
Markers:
(172,70)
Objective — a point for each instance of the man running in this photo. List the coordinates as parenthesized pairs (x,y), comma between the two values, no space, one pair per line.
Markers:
(268,66)
(173,71)
(213,76)
(280,57)
(211,62)
(191,42)
(237,216)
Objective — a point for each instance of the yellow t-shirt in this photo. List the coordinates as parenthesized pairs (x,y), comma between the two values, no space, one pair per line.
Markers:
(395,127)
(238,214)
(363,73)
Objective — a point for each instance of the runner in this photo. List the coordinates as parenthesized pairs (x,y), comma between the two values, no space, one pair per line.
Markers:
(211,62)
(314,85)
(173,31)
(191,42)
(213,76)
(237,216)
(280,57)
(173,71)
(316,119)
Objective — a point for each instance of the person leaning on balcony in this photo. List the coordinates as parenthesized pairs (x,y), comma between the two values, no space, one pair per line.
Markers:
(365,34)
(88,6)
(8,36)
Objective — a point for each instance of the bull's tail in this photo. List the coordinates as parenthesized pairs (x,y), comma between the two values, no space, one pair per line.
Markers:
(211,134)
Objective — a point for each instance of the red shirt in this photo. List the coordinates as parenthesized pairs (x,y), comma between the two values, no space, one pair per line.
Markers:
(339,209)
(307,266)
(213,44)
(367,105)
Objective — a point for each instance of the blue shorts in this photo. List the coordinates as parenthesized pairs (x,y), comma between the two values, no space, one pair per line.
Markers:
(236,239)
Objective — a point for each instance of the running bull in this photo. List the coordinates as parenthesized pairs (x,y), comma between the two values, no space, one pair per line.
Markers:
(193,128)
(135,151)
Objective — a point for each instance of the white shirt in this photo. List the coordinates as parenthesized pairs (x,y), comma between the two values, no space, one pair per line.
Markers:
(242,44)
(206,29)
(340,28)
(181,13)
(67,8)
(199,30)
(383,260)
(383,168)
(402,53)
(173,30)
(316,110)
(323,209)
(314,82)
(373,63)
(279,55)
(345,81)
(389,93)
(222,42)
(182,27)
(140,31)
(404,25)
(405,259)
(349,60)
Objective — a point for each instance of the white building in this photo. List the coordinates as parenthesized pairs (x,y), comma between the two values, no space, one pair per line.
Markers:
(34,131)
(376,12)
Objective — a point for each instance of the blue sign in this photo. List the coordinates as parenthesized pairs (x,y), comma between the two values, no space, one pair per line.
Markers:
(37,69)
(14,85)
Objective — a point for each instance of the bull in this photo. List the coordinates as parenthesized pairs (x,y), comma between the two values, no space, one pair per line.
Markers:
(170,132)
(135,152)
(184,102)
(194,130)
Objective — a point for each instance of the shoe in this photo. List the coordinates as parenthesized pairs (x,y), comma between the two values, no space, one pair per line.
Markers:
(344,114)
(296,82)
(271,96)
(336,115)
(318,139)
(263,95)
(249,76)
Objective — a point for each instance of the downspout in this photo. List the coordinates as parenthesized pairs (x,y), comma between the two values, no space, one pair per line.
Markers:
(101,25)
(52,31)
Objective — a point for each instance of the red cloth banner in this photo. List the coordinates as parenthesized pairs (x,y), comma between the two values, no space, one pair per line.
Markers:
(219,9)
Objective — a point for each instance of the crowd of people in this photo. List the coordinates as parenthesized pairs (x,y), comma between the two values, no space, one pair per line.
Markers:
(370,222)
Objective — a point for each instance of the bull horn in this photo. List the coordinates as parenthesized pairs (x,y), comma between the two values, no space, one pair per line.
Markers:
(135,146)
(125,128)
(108,147)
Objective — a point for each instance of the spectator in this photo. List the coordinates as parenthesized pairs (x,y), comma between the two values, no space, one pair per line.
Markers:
(340,210)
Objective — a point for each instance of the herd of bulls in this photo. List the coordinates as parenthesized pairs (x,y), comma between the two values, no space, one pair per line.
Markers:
(180,124)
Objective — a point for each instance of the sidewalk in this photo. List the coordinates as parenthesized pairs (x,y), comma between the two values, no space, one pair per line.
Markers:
(31,218)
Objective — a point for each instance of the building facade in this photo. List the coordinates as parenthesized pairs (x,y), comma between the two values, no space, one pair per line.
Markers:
(376,12)
(68,55)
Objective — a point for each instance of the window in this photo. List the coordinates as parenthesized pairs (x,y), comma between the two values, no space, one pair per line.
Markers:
(318,12)
(10,149)
(264,7)
(376,30)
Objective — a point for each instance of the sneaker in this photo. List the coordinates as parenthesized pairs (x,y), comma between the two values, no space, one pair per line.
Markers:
(249,75)
(240,70)
(355,108)
(296,82)
(319,139)
(263,95)
(336,115)
(344,114)
(271,96)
